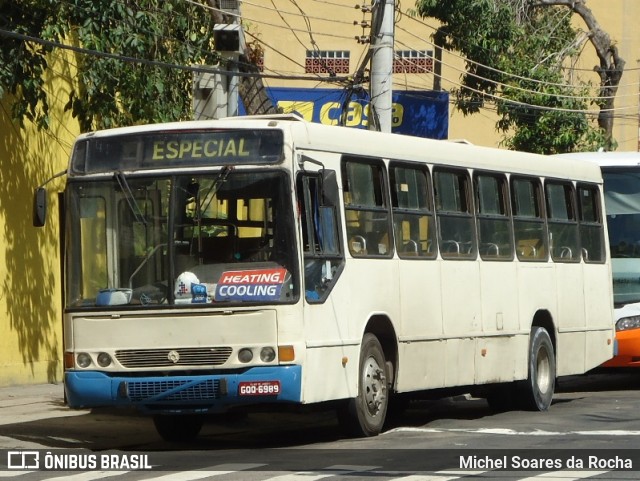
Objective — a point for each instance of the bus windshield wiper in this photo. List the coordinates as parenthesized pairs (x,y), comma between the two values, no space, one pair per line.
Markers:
(215,186)
(131,200)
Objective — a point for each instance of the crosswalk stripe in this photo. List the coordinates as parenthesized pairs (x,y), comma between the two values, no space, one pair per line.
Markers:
(427,477)
(324,473)
(218,470)
(88,475)
(563,475)
(13,474)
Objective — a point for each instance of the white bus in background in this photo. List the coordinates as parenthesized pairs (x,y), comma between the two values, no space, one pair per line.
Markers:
(621,172)
(217,266)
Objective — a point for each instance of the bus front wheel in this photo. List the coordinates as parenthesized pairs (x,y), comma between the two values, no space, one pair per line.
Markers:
(365,414)
(537,390)
(178,428)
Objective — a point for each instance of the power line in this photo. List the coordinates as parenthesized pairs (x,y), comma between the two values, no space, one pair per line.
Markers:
(154,63)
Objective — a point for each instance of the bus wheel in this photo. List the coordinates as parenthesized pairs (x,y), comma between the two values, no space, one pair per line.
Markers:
(178,428)
(365,414)
(537,390)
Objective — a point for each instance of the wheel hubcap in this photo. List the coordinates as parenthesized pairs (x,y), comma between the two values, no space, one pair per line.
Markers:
(374,386)
(543,370)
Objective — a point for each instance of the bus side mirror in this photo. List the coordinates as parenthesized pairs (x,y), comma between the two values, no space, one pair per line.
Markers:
(40,207)
(330,196)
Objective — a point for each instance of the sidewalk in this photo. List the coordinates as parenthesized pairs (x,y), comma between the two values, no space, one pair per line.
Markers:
(20,404)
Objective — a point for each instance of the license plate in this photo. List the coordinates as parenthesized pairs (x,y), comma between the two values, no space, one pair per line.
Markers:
(259,388)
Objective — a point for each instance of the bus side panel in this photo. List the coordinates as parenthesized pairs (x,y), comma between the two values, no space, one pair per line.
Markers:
(366,288)
(570,295)
(420,299)
(501,358)
(461,310)
(330,372)
(325,376)
(536,291)
(571,320)
(421,365)
(570,357)
(422,349)
(501,355)
(598,313)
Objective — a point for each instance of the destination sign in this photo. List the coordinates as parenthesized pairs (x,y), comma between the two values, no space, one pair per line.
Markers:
(155,150)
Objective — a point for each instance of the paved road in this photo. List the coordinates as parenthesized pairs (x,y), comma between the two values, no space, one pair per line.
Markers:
(595,415)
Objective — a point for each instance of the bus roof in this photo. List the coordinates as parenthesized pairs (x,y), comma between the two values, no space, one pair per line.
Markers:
(352,141)
(607,159)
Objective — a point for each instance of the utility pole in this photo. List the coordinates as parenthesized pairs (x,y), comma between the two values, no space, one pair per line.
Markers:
(216,95)
(382,37)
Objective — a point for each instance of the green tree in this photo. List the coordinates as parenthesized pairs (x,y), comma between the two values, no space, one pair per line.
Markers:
(125,51)
(516,56)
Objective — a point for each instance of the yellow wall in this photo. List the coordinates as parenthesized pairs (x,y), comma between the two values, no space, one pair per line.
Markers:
(285,32)
(30,289)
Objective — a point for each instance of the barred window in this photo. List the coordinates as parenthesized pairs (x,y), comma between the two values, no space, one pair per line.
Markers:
(413,61)
(327,61)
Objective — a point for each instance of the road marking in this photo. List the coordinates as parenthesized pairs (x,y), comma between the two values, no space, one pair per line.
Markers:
(218,470)
(324,473)
(441,476)
(13,474)
(88,475)
(563,475)
(512,432)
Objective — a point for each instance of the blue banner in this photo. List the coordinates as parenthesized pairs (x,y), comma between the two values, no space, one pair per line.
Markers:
(417,113)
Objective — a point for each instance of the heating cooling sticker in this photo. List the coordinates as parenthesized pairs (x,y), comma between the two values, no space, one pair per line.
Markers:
(251,285)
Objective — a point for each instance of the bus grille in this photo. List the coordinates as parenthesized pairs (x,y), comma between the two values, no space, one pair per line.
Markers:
(196,356)
(143,390)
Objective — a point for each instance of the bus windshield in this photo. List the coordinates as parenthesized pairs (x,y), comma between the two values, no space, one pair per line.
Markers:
(622,203)
(223,237)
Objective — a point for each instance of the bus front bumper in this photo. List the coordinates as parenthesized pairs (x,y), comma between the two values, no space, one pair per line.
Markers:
(184,393)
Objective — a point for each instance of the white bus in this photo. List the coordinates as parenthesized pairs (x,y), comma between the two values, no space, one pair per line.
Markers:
(215,266)
(621,173)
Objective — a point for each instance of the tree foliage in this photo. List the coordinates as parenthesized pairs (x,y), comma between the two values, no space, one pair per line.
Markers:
(516,53)
(133,83)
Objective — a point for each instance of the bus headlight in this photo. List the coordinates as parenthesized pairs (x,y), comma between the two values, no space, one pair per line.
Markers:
(104,359)
(627,323)
(267,354)
(245,355)
(83,360)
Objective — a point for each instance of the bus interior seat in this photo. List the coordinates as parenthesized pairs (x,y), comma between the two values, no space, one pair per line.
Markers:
(532,248)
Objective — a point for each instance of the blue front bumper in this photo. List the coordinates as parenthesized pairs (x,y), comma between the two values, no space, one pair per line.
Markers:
(181,393)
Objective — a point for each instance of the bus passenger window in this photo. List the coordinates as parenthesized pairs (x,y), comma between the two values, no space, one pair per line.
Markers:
(413,221)
(562,221)
(494,223)
(590,221)
(456,227)
(366,209)
(528,219)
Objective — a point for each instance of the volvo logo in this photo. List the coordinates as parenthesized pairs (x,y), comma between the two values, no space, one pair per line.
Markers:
(173,356)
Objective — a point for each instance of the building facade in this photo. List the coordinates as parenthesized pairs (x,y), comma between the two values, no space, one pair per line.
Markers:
(329,38)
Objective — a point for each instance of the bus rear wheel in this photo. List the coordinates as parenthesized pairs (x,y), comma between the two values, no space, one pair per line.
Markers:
(178,428)
(365,414)
(537,390)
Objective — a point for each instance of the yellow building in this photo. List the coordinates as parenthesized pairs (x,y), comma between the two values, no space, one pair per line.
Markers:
(31,289)
(291,32)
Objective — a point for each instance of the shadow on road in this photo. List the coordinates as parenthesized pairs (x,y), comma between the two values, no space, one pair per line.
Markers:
(109,429)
